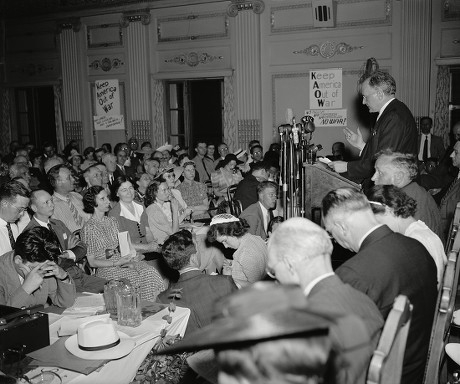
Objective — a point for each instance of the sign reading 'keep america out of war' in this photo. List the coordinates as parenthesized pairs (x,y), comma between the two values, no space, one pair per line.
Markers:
(326,88)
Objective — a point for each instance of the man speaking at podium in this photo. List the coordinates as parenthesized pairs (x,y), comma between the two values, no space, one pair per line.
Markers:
(394,129)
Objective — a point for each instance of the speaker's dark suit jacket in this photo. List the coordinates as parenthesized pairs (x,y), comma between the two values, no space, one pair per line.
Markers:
(332,294)
(389,264)
(253,215)
(436,148)
(395,129)
(199,293)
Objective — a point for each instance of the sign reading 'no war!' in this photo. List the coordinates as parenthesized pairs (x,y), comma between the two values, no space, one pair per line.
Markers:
(326,88)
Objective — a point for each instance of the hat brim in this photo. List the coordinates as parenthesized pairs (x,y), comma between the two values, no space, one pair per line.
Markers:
(145,151)
(263,326)
(165,148)
(125,346)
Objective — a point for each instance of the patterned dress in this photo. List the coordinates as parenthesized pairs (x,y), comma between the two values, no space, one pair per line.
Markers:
(102,234)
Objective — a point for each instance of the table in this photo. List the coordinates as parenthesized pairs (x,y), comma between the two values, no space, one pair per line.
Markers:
(122,370)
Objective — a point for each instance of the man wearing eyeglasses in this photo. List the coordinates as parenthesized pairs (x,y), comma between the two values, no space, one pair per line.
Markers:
(14,200)
(394,129)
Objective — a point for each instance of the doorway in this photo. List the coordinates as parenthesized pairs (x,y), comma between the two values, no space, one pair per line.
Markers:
(35,120)
(194,111)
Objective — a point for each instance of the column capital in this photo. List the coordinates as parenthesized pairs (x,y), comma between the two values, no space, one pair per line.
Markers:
(257,6)
(73,23)
(142,15)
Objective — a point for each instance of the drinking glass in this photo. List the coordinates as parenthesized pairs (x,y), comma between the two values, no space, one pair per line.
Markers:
(129,308)
(110,288)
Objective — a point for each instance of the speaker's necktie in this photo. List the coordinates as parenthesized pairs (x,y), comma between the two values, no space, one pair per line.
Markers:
(425,149)
(10,235)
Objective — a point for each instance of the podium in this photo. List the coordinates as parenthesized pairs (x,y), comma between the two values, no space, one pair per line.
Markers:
(319,181)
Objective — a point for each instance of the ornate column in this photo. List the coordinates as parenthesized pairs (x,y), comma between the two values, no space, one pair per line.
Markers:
(414,82)
(135,23)
(247,70)
(71,99)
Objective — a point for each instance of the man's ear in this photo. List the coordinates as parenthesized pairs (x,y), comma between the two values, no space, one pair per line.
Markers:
(18,259)
(33,207)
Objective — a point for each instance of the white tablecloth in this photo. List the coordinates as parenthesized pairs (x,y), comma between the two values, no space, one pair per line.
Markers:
(122,371)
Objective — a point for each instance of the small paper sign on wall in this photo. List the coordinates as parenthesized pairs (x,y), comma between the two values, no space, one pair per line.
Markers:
(103,123)
(107,97)
(329,117)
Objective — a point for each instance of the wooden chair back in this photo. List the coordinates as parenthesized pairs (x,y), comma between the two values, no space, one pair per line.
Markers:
(387,360)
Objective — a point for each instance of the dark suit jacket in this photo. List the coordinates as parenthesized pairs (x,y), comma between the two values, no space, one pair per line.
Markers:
(199,293)
(331,294)
(448,205)
(389,264)
(246,192)
(253,215)
(395,129)
(436,148)
(63,234)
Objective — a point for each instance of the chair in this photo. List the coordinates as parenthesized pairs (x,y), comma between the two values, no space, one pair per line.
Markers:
(440,331)
(453,229)
(387,359)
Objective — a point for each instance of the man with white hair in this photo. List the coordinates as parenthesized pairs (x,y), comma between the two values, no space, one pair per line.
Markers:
(110,161)
(400,170)
(299,253)
(386,265)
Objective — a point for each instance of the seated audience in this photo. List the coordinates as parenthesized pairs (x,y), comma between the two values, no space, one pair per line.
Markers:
(222,150)
(299,253)
(204,165)
(199,291)
(72,249)
(98,153)
(396,209)
(89,158)
(246,191)
(400,170)
(152,167)
(100,234)
(429,145)
(274,224)
(128,214)
(259,214)
(257,154)
(193,192)
(226,176)
(30,276)
(14,200)
(250,257)
(170,175)
(386,265)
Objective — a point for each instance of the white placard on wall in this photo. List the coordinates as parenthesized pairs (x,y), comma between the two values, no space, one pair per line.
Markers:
(328,117)
(107,96)
(326,88)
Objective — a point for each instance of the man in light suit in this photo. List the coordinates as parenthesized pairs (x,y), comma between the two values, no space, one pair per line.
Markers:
(198,291)
(386,265)
(299,253)
(73,250)
(434,147)
(258,215)
(394,129)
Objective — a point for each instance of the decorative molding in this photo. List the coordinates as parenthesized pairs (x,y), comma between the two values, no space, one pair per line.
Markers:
(106,64)
(142,15)
(450,10)
(73,130)
(230,128)
(33,69)
(189,19)
(328,49)
(114,43)
(158,127)
(248,129)
(386,18)
(257,6)
(192,59)
(73,23)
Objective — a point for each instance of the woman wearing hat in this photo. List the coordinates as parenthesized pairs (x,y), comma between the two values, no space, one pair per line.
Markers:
(170,176)
(194,192)
(226,175)
(100,233)
(250,258)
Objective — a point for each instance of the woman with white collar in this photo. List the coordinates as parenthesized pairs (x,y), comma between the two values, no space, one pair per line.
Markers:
(128,214)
